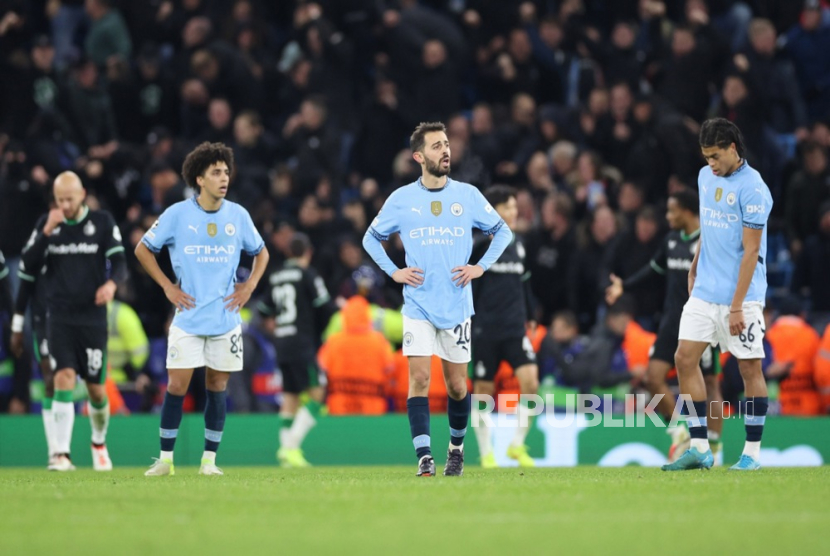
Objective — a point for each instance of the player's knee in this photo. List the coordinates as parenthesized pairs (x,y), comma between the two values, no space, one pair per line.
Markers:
(528,376)
(684,361)
(654,380)
(418,382)
(97,392)
(65,379)
(484,387)
(177,387)
(457,387)
(750,369)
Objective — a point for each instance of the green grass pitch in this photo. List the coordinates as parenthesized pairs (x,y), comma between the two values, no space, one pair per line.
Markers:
(387,510)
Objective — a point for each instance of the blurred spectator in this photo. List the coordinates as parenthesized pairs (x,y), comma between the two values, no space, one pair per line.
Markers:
(807,44)
(559,349)
(383,131)
(356,274)
(107,36)
(773,79)
(88,107)
(127,344)
(357,362)
(806,192)
(794,347)
(594,239)
(257,388)
(629,252)
(313,144)
(822,372)
(812,269)
(686,74)
(551,250)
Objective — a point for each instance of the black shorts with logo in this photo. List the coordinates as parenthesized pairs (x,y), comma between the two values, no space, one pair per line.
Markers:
(666,343)
(488,353)
(301,373)
(81,347)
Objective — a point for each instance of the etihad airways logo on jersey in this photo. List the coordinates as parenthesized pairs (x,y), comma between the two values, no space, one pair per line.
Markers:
(437,235)
(210,253)
(717,218)
(74,249)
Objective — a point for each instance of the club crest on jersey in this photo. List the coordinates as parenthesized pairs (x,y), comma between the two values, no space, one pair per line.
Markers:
(718,194)
(435,208)
(230,229)
(456,209)
(211,229)
(730,199)
(408,339)
(89,228)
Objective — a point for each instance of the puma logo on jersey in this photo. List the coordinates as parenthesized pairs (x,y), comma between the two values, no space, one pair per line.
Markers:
(194,228)
(418,210)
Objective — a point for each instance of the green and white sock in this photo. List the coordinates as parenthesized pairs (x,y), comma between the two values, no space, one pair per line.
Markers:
(99,418)
(524,416)
(286,422)
(304,421)
(48,425)
(63,412)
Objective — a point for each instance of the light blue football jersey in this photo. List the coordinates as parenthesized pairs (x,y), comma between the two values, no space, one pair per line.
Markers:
(436,230)
(727,206)
(204,249)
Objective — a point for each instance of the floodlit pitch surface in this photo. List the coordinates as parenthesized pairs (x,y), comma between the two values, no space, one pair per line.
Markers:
(387,510)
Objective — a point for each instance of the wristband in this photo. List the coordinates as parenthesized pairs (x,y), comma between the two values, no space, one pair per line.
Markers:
(17,323)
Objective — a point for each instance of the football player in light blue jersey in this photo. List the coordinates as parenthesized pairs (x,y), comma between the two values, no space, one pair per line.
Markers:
(205,236)
(435,217)
(727,287)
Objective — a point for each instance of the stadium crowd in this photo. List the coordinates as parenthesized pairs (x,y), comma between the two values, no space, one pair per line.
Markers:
(589,108)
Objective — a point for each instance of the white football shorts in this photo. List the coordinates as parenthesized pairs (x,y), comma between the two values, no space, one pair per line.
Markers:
(188,351)
(421,338)
(702,321)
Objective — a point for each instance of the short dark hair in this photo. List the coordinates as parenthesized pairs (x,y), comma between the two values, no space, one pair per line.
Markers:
(416,140)
(498,194)
(203,157)
(562,204)
(688,200)
(647,212)
(625,305)
(299,245)
(720,133)
(569,317)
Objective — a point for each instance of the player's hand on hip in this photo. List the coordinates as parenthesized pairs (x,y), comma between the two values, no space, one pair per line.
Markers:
(410,276)
(736,321)
(462,275)
(105,293)
(180,299)
(614,291)
(16,344)
(240,296)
